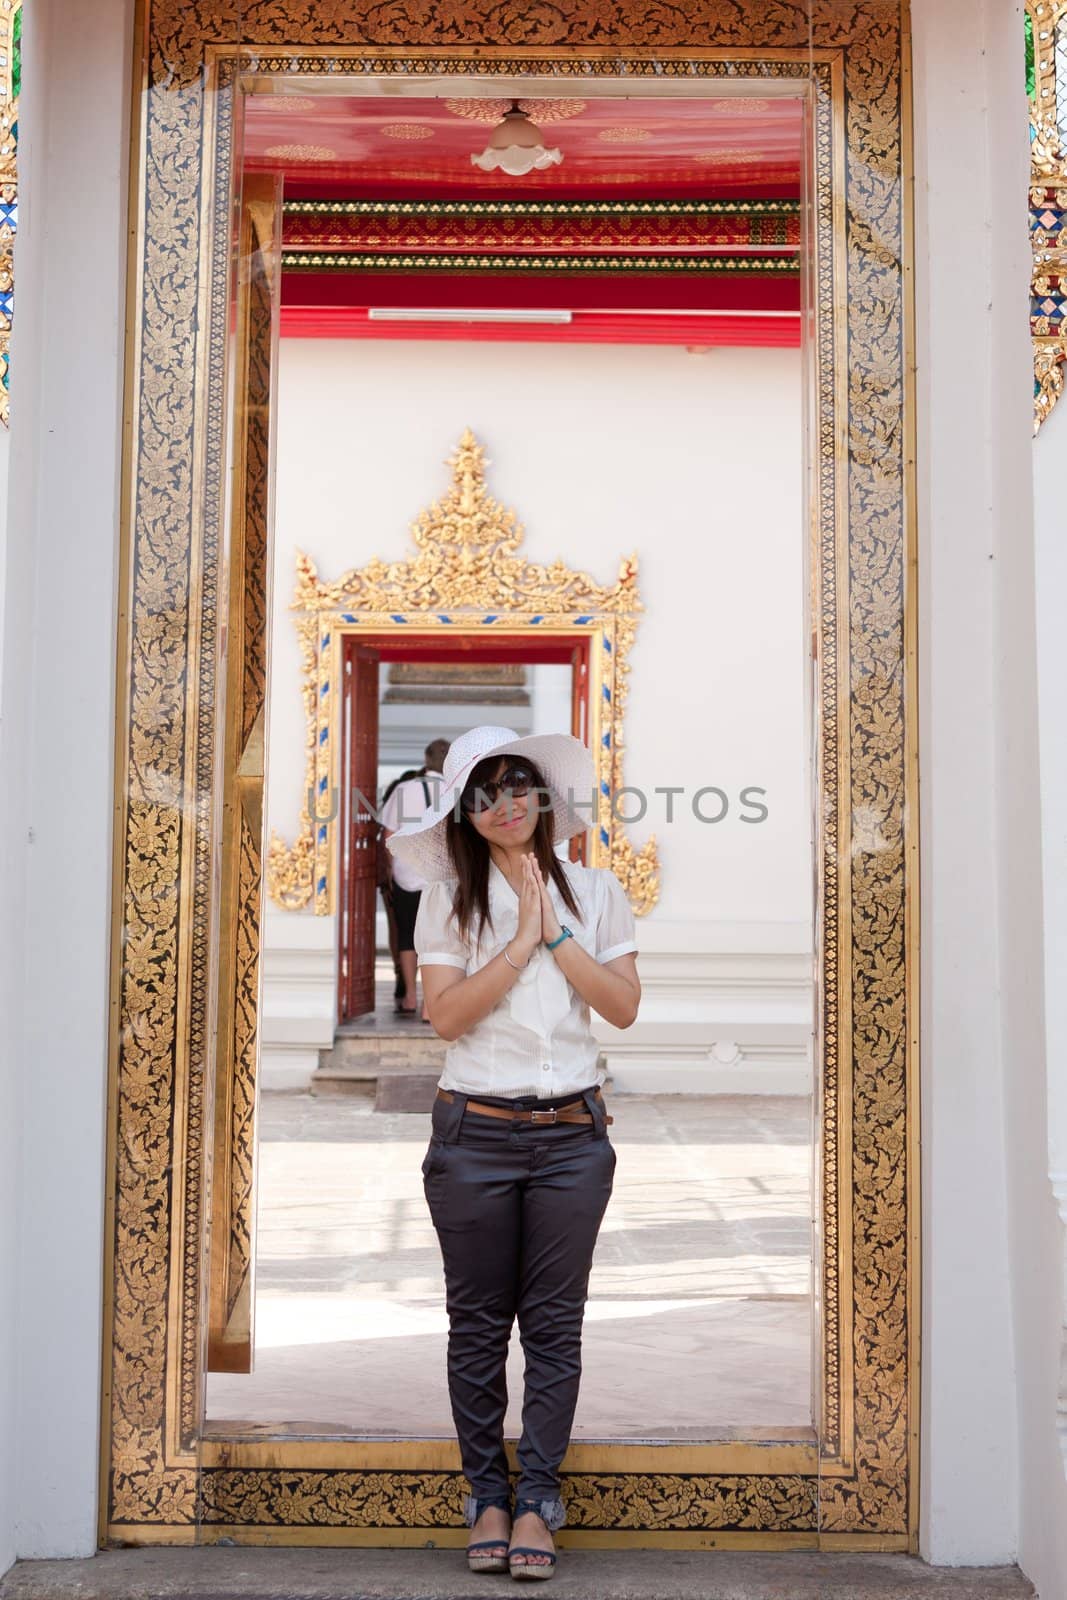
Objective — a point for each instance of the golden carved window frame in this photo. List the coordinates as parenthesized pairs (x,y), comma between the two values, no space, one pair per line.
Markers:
(467,576)
(853,1483)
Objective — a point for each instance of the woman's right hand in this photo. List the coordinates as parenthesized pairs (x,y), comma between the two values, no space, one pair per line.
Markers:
(528,936)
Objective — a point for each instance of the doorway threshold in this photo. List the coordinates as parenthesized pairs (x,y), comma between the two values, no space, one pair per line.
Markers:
(217,1573)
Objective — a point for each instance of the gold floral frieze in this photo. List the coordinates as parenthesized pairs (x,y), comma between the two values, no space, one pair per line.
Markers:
(467,575)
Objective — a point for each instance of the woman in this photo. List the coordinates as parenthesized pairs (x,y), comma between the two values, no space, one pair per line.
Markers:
(516,947)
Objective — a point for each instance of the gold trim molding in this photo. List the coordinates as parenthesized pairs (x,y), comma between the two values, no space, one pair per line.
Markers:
(466,576)
(521,209)
(460,261)
(857,1483)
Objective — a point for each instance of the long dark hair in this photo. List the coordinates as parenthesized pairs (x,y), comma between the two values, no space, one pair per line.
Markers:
(471,858)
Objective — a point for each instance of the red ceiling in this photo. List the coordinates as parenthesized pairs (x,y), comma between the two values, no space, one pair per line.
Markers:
(612,149)
(632,291)
(332,147)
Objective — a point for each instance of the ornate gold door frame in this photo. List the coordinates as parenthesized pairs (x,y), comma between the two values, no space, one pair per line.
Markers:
(231,1297)
(852,1482)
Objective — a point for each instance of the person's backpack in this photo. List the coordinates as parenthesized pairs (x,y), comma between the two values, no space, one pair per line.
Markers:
(383,860)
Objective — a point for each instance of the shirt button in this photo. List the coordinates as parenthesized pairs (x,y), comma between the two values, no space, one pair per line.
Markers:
(546,1066)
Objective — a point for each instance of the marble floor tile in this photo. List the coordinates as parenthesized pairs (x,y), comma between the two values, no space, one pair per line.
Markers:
(699,1309)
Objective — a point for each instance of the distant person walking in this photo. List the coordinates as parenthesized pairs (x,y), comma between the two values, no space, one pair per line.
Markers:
(406,803)
(385,884)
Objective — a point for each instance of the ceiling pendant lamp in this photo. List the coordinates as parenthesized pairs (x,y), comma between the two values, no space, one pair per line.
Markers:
(516,146)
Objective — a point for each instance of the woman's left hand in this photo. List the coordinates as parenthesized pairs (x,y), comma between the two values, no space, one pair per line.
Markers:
(550,924)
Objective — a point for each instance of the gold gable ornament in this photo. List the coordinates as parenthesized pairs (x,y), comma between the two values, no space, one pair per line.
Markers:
(464,576)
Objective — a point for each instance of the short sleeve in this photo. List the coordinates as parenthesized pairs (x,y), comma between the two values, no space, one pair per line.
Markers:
(437,940)
(404,806)
(390,811)
(615,923)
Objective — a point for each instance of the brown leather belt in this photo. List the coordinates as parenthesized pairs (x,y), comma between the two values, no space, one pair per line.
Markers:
(551,1114)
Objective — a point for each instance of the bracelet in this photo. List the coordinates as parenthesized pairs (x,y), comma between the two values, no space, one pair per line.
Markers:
(514,964)
(566,934)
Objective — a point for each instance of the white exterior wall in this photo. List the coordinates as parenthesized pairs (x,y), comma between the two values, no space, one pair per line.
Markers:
(56,770)
(694,462)
(992,1479)
(970,1450)
(1035,1233)
(11,819)
(1050,1515)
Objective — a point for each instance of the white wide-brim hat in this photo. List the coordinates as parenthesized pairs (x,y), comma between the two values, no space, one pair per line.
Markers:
(567,765)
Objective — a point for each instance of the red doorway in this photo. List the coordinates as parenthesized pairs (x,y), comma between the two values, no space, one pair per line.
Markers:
(362,655)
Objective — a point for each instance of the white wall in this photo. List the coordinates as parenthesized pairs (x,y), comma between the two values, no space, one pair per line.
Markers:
(56,743)
(991,1476)
(692,461)
(12,818)
(1050,528)
(1034,1231)
(1050,533)
(970,1450)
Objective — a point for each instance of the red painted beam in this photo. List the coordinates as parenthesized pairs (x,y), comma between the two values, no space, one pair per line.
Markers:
(585,327)
(484,642)
(620,291)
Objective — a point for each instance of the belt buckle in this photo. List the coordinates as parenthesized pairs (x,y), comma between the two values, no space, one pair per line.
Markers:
(544,1116)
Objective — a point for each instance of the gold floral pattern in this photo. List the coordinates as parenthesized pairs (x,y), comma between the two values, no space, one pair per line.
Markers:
(237,1029)
(673,1502)
(484,229)
(494,110)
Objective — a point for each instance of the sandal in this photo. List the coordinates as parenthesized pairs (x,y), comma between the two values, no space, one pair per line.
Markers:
(487,1555)
(539,1564)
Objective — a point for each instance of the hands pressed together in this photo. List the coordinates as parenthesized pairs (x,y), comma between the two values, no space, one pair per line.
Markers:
(537,914)
(456,1003)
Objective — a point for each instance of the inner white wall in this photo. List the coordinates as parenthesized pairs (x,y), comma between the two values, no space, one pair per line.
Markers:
(693,462)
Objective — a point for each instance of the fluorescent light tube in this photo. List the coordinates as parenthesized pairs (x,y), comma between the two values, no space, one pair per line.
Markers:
(464,314)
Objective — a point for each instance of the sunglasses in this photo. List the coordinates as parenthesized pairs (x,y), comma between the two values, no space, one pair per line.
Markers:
(516,780)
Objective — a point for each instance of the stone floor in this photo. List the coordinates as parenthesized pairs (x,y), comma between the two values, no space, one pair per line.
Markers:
(699,1313)
(287,1574)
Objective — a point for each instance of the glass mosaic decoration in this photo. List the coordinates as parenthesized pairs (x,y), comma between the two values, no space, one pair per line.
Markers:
(10,86)
(1046,84)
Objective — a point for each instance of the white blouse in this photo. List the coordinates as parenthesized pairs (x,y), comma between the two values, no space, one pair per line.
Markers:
(536,1040)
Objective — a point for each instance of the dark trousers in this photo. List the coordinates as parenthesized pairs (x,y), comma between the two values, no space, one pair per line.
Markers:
(405,909)
(517,1208)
